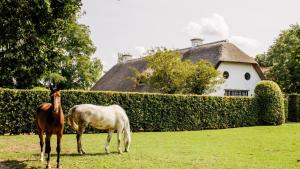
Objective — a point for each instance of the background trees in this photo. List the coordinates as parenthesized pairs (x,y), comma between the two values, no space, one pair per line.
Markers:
(284,59)
(42,40)
(168,73)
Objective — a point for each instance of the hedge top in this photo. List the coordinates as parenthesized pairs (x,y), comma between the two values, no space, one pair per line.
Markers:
(267,87)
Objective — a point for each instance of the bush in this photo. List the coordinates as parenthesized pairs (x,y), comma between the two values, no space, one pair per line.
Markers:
(270,102)
(146,112)
(294,107)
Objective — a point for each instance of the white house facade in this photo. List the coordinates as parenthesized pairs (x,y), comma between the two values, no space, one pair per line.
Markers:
(240,79)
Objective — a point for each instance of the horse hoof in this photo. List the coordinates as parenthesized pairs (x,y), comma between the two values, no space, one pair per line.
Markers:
(42,157)
(48,166)
(81,152)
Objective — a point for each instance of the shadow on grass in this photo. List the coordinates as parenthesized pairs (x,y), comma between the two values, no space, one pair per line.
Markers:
(88,154)
(14,164)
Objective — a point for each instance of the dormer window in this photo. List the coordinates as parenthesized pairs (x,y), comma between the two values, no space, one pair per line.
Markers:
(225,75)
(247,76)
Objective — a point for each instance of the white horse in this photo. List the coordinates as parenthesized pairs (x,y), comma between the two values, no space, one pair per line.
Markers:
(101,117)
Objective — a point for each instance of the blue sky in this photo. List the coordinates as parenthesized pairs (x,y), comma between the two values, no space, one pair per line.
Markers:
(133,26)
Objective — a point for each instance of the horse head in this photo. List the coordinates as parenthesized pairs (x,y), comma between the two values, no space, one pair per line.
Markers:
(55,98)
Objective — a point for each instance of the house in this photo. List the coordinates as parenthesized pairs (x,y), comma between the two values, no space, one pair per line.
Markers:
(240,71)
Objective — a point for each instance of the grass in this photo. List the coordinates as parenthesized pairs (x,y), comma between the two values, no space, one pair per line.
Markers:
(262,147)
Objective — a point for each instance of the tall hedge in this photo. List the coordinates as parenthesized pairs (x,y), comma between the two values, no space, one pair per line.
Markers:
(146,112)
(294,107)
(270,102)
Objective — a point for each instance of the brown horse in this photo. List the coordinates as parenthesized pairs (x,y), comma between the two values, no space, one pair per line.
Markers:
(50,120)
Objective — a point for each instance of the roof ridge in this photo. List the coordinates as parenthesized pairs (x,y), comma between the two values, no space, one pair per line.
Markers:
(134,59)
(212,43)
(205,44)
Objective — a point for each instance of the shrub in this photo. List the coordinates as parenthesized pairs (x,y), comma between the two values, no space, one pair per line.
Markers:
(294,107)
(270,102)
(146,112)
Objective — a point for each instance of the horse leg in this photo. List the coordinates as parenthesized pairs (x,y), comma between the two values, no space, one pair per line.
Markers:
(79,145)
(41,145)
(119,135)
(48,149)
(108,140)
(59,136)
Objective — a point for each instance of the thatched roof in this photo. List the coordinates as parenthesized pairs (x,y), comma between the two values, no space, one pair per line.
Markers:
(217,52)
(117,78)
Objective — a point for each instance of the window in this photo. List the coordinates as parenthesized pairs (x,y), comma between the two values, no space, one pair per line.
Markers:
(225,75)
(247,76)
(229,92)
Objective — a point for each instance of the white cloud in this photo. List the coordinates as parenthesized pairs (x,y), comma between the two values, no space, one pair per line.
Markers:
(248,45)
(244,41)
(209,26)
(216,28)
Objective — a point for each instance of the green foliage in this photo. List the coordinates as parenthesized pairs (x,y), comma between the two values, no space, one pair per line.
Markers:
(147,112)
(294,107)
(284,57)
(286,108)
(168,73)
(270,101)
(54,78)
(40,89)
(43,37)
(262,60)
(204,78)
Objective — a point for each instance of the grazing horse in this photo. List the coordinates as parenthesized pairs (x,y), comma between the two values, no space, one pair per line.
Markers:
(101,117)
(50,120)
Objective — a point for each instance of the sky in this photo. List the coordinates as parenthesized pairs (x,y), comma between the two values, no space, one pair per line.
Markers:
(135,26)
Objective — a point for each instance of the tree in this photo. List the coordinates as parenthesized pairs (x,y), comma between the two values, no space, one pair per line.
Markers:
(203,79)
(284,58)
(170,74)
(262,60)
(39,38)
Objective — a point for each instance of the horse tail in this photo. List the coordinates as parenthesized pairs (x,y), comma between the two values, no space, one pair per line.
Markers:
(127,133)
(71,120)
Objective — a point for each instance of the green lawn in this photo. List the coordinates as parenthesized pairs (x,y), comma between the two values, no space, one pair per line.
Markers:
(252,147)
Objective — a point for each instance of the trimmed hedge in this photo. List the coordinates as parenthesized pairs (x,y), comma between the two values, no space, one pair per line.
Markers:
(270,103)
(147,112)
(294,107)
(286,108)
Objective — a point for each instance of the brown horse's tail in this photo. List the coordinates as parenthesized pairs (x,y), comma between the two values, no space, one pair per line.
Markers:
(71,121)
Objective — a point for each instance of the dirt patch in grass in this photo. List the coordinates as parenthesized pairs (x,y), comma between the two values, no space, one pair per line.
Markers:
(9,164)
